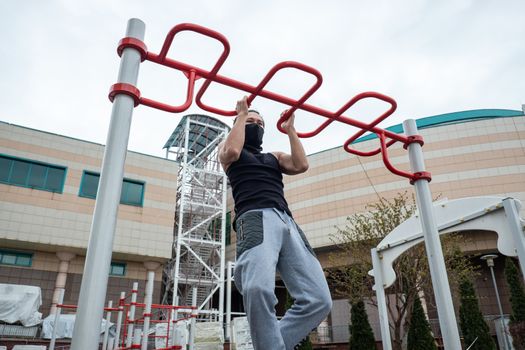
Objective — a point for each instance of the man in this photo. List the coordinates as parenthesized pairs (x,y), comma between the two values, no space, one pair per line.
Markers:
(268,239)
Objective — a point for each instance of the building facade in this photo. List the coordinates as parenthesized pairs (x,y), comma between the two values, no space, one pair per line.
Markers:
(48,186)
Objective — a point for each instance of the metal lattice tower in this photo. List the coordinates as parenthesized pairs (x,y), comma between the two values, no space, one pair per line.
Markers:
(198,258)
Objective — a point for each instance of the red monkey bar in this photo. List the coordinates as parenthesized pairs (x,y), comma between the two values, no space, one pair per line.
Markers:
(386,138)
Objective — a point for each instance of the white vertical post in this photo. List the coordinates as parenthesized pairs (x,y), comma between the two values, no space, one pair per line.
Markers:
(436,261)
(175,299)
(228,300)
(119,320)
(381,301)
(57,319)
(111,343)
(194,314)
(106,330)
(223,249)
(98,258)
(172,327)
(136,339)
(131,321)
(147,310)
(512,211)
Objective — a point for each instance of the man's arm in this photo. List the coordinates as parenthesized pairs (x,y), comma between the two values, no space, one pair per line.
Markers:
(296,162)
(230,149)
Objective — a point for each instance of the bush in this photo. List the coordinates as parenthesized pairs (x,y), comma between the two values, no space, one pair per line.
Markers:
(361,334)
(517,300)
(419,333)
(473,326)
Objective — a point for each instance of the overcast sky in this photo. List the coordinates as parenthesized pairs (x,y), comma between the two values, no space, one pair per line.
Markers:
(58,60)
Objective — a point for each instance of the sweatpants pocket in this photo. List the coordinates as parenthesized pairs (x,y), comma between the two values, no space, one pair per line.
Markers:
(306,243)
(249,231)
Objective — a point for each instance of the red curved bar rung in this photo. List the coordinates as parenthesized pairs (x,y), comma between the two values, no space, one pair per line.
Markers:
(386,161)
(174,109)
(386,114)
(300,101)
(162,59)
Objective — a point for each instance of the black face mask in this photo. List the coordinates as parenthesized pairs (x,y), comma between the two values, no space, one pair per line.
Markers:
(253,135)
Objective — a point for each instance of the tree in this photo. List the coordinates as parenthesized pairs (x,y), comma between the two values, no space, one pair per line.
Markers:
(361,334)
(419,333)
(517,300)
(473,326)
(305,344)
(363,231)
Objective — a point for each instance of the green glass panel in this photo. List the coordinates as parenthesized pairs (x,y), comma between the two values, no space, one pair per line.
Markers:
(118,269)
(19,173)
(23,260)
(90,185)
(132,193)
(8,259)
(5,167)
(55,179)
(37,176)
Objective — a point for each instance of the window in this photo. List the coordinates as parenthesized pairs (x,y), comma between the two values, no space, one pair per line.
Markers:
(15,258)
(32,174)
(117,269)
(132,190)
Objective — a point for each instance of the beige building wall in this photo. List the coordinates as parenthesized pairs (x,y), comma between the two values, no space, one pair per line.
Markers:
(47,224)
(47,219)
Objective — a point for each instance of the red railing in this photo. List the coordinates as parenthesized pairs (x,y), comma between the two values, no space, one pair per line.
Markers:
(386,138)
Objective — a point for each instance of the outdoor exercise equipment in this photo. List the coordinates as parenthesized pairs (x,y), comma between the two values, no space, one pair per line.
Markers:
(497,214)
(125,96)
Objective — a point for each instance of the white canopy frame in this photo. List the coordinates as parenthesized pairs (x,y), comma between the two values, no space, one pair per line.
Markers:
(498,214)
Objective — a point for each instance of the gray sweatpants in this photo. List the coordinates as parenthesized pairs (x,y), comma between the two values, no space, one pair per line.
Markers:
(269,240)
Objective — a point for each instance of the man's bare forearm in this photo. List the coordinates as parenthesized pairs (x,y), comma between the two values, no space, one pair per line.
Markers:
(298,155)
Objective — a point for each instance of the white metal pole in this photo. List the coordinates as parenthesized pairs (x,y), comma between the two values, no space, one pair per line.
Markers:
(228,299)
(136,339)
(436,261)
(223,248)
(147,310)
(184,165)
(194,314)
(98,257)
(106,330)
(111,343)
(57,319)
(119,320)
(501,316)
(131,321)
(512,211)
(381,301)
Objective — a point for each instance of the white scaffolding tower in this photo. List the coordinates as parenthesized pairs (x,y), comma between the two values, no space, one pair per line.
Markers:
(198,259)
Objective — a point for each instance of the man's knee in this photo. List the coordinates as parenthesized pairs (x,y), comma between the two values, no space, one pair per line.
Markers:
(258,291)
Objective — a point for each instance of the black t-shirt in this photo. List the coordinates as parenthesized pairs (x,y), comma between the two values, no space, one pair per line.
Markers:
(257,183)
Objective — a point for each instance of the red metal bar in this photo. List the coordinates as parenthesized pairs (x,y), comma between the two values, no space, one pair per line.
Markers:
(193,73)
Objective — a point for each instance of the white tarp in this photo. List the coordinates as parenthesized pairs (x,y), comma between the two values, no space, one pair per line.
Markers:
(29,347)
(181,334)
(241,334)
(208,336)
(66,323)
(20,303)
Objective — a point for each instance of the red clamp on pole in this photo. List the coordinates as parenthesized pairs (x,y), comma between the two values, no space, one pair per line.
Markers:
(126,89)
(420,175)
(134,44)
(414,139)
